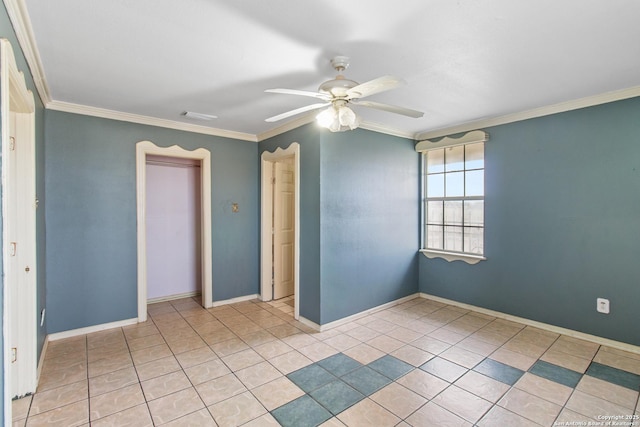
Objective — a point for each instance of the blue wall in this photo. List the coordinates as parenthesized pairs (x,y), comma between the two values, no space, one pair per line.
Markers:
(7,32)
(369,221)
(358,219)
(562,219)
(91,216)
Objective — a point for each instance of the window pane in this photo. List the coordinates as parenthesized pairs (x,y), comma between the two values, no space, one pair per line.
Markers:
(474,213)
(453,238)
(434,236)
(435,161)
(473,240)
(453,212)
(474,156)
(434,212)
(435,185)
(455,184)
(454,157)
(474,185)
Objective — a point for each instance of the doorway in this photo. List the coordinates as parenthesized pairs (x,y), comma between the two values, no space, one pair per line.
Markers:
(144,150)
(18,231)
(280,220)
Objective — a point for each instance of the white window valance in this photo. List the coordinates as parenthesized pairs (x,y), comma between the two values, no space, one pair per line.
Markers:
(448,141)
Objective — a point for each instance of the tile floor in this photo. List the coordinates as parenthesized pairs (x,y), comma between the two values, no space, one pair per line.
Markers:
(419,363)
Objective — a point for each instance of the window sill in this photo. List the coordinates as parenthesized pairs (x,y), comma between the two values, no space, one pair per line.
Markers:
(452,256)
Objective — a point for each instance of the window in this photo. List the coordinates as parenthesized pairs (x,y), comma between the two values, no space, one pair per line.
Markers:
(453,203)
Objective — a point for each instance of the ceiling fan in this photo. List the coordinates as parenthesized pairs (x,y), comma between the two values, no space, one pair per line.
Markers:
(338,94)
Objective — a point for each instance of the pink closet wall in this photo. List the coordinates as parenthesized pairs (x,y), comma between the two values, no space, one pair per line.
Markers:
(173,226)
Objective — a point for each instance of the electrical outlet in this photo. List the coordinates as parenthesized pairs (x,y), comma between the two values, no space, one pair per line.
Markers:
(602,305)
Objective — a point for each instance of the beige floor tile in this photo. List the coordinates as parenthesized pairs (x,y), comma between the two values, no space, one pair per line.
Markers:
(367,413)
(364,353)
(145,341)
(54,379)
(74,414)
(289,362)
(342,342)
(258,338)
(318,351)
(605,390)
(621,360)
(20,408)
(490,337)
(157,368)
(462,403)
(398,400)
(498,417)
(201,418)
(228,347)
(575,347)
(430,344)
(565,360)
(257,375)
(537,336)
(265,420)
(112,381)
(512,358)
(303,340)
(277,392)
(568,417)
(503,327)
(434,415)
(447,336)
(385,343)
(66,362)
(592,406)
(115,401)
(272,349)
(544,388)
(117,351)
(108,338)
(110,364)
(207,371)
(242,359)
(150,354)
(619,352)
(412,355)
(363,333)
(187,344)
(476,346)
(462,357)
(138,416)
(285,330)
(61,396)
(195,357)
(139,332)
(165,384)
(237,410)
(423,383)
(174,406)
(334,422)
(482,386)
(219,389)
(529,406)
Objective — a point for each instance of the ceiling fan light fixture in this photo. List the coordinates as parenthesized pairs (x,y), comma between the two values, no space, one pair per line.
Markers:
(338,118)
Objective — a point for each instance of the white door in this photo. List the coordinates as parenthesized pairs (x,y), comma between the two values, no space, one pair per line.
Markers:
(283,229)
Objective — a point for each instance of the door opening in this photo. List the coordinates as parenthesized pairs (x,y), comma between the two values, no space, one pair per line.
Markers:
(146,149)
(280,219)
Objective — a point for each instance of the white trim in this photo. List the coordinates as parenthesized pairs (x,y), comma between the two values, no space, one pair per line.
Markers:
(376,127)
(266,190)
(144,148)
(104,113)
(309,323)
(294,124)
(174,297)
(561,107)
(43,354)
(17,11)
(90,329)
(449,141)
(452,256)
(235,300)
(545,326)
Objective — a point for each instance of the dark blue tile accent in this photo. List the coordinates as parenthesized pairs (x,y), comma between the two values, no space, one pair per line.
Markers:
(444,369)
(614,375)
(366,380)
(499,371)
(390,367)
(339,364)
(336,396)
(302,412)
(556,373)
(311,377)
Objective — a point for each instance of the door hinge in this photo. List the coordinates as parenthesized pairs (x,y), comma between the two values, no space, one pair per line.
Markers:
(12,143)
(13,247)
(14,354)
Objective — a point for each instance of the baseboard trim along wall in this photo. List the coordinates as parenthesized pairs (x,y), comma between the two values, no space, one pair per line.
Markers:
(235,300)
(545,326)
(174,297)
(90,329)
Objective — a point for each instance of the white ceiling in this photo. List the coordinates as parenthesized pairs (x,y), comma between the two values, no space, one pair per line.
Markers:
(464,60)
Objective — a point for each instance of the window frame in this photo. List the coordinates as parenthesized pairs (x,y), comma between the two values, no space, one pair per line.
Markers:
(423,147)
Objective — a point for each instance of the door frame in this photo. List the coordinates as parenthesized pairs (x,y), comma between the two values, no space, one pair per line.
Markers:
(266,210)
(17,98)
(144,148)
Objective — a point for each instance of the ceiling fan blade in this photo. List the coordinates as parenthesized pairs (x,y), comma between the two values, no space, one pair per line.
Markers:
(390,108)
(300,92)
(374,86)
(297,111)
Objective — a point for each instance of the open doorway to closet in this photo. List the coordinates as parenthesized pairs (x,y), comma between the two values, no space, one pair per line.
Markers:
(193,269)
(280,220)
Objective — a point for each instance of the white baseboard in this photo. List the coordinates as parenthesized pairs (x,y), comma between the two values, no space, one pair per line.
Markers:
(545,326)
(235,300)
(174,297)
(43,353)
(90,329)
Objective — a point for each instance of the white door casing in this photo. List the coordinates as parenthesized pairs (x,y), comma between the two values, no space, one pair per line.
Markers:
(283,228)
(144,148)
(19,231)
(266,209)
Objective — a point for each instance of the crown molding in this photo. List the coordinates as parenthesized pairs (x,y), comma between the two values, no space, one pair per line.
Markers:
(300,121)
(19,17)
(68,107)
(561,107)
(376,127)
